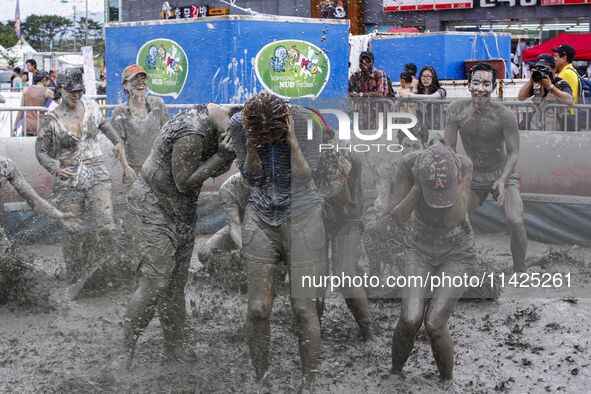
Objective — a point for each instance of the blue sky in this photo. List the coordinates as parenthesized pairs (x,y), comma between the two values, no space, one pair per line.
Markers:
(51,7)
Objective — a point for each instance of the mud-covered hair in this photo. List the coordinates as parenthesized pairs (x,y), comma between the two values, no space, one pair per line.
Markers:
(483,67)
(265,114)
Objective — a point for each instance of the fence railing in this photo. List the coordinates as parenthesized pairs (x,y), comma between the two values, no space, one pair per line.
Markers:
(430,113)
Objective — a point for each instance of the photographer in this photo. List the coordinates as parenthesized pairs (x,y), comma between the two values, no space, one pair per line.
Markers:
(546,88)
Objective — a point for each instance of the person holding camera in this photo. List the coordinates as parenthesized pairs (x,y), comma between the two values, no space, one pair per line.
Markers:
(546,88)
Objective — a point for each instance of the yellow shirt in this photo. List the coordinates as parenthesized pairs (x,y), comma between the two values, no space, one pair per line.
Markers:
(570,75)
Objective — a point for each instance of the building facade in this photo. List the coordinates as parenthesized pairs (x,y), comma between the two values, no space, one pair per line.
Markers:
(533,19)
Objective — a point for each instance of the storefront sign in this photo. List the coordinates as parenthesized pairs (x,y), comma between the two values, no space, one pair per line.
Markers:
(293,68)
(191,11)
(510,3)
(425,5)
(167,66)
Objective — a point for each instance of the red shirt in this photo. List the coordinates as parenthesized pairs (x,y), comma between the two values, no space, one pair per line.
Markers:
(375,82)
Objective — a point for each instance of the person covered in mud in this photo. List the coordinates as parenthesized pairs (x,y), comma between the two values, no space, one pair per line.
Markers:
(338,180)
(9,173)
(138,120)
(234,193)
(490,136)
(191,147)
(282,222)
(434,184)
(67,146)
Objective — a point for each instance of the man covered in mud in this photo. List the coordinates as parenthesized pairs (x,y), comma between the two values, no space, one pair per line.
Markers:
(234,193)
(68,147)
(490,136)
(434,184)
(9,173)
(282,222)
(190,148)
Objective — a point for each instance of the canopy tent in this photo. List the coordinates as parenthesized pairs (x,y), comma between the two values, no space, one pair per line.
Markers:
(581,43)
(21,49)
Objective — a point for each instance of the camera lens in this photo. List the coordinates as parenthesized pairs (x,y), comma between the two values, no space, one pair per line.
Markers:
(536,76)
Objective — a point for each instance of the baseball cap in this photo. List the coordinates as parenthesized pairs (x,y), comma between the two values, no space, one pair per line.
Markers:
(545,60)
(439,176)
(71,79)
(131,71)
(565,49)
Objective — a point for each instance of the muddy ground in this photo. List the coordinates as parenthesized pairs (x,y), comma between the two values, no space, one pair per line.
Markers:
(510,344)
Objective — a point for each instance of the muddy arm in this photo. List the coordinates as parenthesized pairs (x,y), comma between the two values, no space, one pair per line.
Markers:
(129,174)
(511,132)
(187,169)
(32,198)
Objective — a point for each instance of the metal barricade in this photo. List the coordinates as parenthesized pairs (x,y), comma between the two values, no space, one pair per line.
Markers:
(579,121)
(8,116)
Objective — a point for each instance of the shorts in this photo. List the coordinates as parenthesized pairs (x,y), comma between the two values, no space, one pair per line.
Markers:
(298,241)
(483,181)
(451,251)
(165,244)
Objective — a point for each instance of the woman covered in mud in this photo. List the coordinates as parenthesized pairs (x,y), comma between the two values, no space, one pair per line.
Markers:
(434,185)
(68,147)
(139,120)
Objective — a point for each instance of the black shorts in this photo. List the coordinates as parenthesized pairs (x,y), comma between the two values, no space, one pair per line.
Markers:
(483,181)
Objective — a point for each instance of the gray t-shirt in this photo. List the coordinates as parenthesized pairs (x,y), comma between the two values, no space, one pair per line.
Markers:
(137,133)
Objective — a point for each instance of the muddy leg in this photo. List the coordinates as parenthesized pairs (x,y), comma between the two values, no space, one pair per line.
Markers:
(346,254)
(140,311)
(412,310)
(260,302)
(73,202)
(513,209)
(308,332)
(172,309)
(440,308)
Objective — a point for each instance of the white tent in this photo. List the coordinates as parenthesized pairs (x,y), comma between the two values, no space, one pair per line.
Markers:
(21,49)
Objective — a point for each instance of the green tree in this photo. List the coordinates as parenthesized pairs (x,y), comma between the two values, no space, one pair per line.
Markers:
(7,34)
(41,30)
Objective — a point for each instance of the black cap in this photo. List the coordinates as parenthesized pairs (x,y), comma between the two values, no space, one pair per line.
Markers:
(565,50)
(366,54)
(545,60)
(71,79)
(439,176)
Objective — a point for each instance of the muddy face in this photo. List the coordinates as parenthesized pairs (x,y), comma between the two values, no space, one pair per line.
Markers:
(137,86)
(71,99)
(481,87)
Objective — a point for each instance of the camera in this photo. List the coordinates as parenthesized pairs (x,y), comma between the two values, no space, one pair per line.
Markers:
(539,73)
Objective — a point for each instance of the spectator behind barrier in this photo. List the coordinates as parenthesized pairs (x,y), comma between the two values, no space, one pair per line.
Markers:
(546,88)
(16,80)
(369,82)
(37,95)
(564,56)
(412,69)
